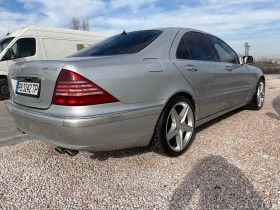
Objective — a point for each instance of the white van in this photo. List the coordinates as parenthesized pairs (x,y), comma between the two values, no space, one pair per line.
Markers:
(40,43)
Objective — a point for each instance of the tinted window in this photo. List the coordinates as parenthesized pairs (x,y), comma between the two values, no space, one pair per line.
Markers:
(198,46)
(224,52)
(120,44)
(24,47)
(182,50)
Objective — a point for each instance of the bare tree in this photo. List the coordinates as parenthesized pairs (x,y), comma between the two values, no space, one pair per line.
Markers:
(75,23)
(85,25)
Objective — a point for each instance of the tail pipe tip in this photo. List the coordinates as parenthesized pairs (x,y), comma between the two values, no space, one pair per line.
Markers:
(60,150)
(71,152)
(67,151)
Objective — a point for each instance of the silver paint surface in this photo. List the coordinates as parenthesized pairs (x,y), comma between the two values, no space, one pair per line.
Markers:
(143,83)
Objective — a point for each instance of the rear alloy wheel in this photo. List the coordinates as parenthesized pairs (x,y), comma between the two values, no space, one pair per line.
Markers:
(258,98)
(4,89)
(175,127)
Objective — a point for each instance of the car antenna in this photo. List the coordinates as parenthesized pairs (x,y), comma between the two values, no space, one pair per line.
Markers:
(8,29)
(123,33)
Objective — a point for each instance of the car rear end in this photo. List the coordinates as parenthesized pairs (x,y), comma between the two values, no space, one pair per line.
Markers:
(105,97)
(66,109)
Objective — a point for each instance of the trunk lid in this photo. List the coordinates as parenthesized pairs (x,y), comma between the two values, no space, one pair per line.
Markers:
(32,83)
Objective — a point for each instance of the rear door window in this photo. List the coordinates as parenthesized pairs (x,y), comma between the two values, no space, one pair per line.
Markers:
(126,43)
(182,50)
(223,51)
(196,45)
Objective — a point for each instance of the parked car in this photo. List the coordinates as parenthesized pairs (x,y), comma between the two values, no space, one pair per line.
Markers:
(149,87)
(40,43)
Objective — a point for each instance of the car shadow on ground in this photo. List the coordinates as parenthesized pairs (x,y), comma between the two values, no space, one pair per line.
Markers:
(214,183)
(219,119)
(276,105)
(103,156)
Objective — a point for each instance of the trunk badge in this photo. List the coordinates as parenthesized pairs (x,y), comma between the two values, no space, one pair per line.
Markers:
(49,68)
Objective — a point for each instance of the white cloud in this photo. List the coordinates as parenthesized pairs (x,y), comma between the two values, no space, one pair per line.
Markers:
(115,4)
(51,13)
(229,2)
(59,12)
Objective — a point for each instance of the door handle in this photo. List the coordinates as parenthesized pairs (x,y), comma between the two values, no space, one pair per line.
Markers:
(191,68)
(228,68)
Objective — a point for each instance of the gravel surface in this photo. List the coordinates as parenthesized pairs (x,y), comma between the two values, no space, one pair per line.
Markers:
(8,129)
(233,163)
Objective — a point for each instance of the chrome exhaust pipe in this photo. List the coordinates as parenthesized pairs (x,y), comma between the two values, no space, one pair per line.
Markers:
(71,152)
(60,150)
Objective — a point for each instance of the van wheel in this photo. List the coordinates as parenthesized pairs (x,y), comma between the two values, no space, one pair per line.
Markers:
(4,89)
(175,128)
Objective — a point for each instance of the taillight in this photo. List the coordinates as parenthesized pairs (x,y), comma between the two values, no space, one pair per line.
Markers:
(72,89)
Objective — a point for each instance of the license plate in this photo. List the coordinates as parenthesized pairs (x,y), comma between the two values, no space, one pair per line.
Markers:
(28,89)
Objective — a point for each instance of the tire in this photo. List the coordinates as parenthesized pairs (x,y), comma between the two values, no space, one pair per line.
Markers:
(259,94)
(4,89)
(180,126)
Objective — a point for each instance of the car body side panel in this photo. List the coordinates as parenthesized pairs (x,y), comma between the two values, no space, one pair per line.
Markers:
(107,112)
(238,84)
(135,127)
(132,82)
(256,74)
(127,77)
(208,82)
(142,94)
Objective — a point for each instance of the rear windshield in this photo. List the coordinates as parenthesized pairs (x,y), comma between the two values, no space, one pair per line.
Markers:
(127,43)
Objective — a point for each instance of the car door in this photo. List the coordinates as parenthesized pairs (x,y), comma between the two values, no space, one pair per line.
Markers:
(192,55)
(25,49)
(238,76)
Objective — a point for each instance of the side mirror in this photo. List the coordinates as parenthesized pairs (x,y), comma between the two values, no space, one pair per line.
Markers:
(240,60)
(247,59)
(9,54)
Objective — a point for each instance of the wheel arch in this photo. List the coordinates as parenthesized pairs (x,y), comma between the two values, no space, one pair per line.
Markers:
(185,94)
(262,77)
(188,95)
(3,77)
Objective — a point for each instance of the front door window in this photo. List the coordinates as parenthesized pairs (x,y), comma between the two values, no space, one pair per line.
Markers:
(24,47)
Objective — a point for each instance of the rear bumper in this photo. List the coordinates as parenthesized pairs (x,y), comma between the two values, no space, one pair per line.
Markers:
(132,128)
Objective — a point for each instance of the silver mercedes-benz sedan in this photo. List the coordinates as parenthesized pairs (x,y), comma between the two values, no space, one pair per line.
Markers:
(149,87)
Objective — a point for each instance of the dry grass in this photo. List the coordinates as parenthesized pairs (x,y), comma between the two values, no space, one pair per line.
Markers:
(267,67)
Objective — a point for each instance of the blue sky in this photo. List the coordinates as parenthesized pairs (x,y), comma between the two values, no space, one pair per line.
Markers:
(235,21)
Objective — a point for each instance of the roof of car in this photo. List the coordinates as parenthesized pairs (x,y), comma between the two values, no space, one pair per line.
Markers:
(176,29)
(179,28)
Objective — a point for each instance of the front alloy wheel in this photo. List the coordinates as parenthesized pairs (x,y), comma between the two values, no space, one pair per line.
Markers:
(260,94)
(258,99)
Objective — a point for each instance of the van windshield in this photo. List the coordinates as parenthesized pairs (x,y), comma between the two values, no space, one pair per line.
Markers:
(125,43)
(4,43)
